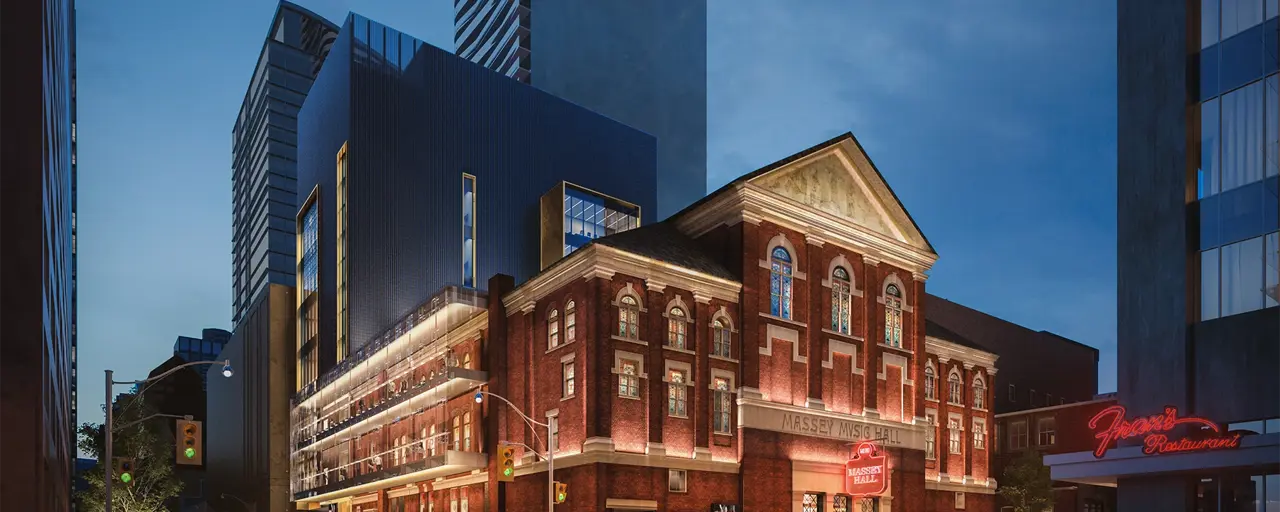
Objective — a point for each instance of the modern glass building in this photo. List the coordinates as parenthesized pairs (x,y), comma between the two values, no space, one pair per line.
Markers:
(264,152)
(573,216)
(422,170)
(641,63)
(1199,260)
(205,348)
(38,264)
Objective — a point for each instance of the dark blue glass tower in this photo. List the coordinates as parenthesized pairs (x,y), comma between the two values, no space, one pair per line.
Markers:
(426,170)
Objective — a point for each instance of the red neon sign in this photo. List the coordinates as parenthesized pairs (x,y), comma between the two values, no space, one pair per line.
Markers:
(1155,428)
(867,472)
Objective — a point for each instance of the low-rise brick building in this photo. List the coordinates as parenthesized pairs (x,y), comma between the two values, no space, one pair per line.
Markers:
(736,356)
(1053,430)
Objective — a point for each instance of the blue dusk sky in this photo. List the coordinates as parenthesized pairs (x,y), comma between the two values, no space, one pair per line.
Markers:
(994,121)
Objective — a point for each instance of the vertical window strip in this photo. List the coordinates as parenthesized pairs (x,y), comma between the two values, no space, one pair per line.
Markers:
(468,230)
(343,296)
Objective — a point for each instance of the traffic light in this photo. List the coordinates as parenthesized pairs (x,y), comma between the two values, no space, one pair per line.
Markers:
(562,492)
(506,464)
(189,443)
(124,469)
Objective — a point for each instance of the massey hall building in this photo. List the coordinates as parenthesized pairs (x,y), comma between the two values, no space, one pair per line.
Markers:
(765,349)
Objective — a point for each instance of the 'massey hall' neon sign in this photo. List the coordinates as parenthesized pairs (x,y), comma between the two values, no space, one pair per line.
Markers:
(1156,430)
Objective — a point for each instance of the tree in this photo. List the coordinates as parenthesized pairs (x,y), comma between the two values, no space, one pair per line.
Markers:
(154,481)
(1026,484)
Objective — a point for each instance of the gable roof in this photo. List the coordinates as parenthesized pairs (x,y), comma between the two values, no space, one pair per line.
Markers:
(662,241)
(843,138)
(934,330)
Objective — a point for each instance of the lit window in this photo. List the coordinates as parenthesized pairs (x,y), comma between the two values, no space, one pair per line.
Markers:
(553,329)
(811,502)
(628,379)
(1045,434)
(466,431)
(930,383)
(953,432)
(567,372)
(722,404)
(1018,436)
(893,316)
(677,394)
(628,315)
(841,300)
(955,393)
(468,231)
(780,283)
(979,435)
(457,433)
(677,480)
(466,360)
(930,449)
(840,503)
(979,394)
(676,324)
(721,339)
(570,322)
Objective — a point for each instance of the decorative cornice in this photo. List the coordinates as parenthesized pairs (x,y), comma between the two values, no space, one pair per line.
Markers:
(991,370)
(813,239)
(750,218)
(654,286)
(868,260)
(600,272)
(528,307)
(701,298)
(599,260)
(919,276)
(946,351)
(968,366)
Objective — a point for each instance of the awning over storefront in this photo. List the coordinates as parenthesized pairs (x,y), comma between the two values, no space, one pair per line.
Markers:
(1084,468)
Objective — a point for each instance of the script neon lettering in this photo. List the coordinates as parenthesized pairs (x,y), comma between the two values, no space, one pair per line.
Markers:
(1154,427)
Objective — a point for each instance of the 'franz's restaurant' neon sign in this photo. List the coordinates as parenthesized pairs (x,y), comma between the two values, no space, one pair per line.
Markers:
(1156,430)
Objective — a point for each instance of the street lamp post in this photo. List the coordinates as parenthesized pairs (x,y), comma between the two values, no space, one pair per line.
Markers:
(108,427)
(551,461)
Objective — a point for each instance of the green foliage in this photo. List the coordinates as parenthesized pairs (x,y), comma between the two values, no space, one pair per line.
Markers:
(1026,484)
(153,455)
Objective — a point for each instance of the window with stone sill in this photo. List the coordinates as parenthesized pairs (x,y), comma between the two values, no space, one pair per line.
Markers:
(893,316)
(553,329)
(780,283)
(979,393)
(628,380)
(979,435)
(722,407)
(676,328)
(841,300)
(677,480)
(930,443)
(628,317)
(955,393)
(930,382)
(721,339)
(953,432)
(677,394)
(570,322)
(566,370)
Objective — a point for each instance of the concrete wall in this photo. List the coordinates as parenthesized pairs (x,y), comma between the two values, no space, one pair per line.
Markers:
(247,431)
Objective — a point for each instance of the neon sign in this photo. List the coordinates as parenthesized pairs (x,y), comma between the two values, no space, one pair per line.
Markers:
(1155,429)
(867,472)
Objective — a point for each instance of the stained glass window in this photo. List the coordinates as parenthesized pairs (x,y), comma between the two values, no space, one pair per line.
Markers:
(841,300)
(893,316)
(722,405)
(812,502)
(677,394)
(676,325)
(780,283)
(628,382)
(628,314)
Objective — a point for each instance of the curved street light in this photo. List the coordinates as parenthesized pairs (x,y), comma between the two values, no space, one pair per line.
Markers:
(108,427)
(551,462)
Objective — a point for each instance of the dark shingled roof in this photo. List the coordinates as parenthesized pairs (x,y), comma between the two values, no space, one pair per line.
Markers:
(662,241)
(937,331)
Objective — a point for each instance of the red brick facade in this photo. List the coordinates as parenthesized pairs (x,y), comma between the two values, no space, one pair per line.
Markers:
(1069,425)
(732,355)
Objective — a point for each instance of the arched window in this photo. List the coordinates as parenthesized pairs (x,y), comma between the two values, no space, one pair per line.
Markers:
(930,382)
(466,431)
(457,433)
(780,283)
(841,300)
(628,317)
(979,393)
(676,325)
(722,338)
(893,316)
(955,391)
(431,441)
(553,329)
(570,322)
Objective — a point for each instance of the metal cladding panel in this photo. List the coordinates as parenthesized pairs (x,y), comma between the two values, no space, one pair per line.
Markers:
(324,124)
(421,117)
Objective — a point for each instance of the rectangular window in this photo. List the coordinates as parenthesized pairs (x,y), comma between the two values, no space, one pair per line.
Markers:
(677,480)
(960,500)
(953,434)
(468,231)
(1018,436)
(1243,136)
(677,393)
(553,432)
(930,433)
(343,296)
(1242,277)
(979,434)
(1209,285)
(629,379)
(567,372)
(1045,435)
(1013,394)
(1210,151)
(722,407)
(812,502)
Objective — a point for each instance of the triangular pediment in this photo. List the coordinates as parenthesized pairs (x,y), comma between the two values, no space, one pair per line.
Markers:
(840,180)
